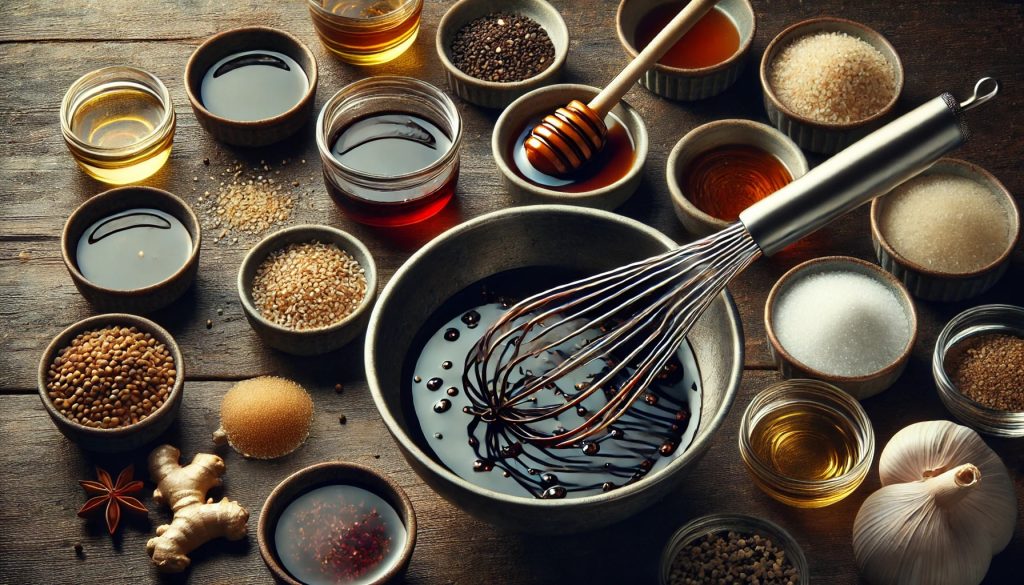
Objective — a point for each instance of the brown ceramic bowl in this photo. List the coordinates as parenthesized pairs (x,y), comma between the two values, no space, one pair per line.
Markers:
(334,473)
(492,94)
(933,285)
(131,436)
(859,387)
(307,341)
(812,135)
(140,300)
(258,132)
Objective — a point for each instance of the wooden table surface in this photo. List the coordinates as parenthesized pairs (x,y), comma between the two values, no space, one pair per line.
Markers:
(44,46)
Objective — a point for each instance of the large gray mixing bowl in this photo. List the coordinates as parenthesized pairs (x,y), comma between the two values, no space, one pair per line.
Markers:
(541,235)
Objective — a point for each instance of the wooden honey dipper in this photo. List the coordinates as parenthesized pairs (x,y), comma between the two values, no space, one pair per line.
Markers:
(572,135)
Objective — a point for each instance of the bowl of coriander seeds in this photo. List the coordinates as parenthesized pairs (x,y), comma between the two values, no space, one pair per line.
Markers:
(718,548)
(112,382)
(308,289)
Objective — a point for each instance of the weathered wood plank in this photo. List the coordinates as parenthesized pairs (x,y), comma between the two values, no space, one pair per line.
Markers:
(39,496)
(41,184)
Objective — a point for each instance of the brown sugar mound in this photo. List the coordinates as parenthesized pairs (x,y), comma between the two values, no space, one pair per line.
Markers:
(265,417)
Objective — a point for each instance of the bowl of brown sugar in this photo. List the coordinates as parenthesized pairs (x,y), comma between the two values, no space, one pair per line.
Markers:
(112,382)
(308,289)
(978,365)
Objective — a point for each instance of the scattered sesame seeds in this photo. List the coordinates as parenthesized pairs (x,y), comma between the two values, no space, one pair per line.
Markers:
(248,205)
(308,286)
(833,78)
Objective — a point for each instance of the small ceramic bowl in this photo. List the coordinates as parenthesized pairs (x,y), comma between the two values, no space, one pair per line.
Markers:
(336,473)
(677,83)
(934,285)
(980,320)
(307,341)
(258,132)
(492,94)
(802,395)
(684,538)
(713,135)
(810,134)
(123,438)
(859,387)
(142,300)
(540,102)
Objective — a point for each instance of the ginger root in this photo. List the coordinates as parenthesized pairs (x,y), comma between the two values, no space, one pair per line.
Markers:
(196,518)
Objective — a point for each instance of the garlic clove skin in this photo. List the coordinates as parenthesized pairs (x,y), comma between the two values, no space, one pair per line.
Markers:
(947,506)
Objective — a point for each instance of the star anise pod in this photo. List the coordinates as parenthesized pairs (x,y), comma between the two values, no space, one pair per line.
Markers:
(113,494)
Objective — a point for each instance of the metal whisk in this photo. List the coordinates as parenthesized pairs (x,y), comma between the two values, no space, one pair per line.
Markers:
(632,320)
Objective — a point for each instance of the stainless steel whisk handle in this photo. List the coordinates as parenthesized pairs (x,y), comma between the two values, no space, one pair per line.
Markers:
(866,169)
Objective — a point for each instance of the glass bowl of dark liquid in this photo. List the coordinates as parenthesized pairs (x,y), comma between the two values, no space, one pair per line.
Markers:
(390,150)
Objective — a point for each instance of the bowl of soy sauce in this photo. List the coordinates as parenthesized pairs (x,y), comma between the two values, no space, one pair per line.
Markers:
(252,86)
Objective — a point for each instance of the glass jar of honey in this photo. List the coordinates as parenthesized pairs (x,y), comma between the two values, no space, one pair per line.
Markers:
(390,149)
(366,32)
(118,123)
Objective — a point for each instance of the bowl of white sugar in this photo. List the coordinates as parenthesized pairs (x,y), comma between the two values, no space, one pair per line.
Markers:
(948,233)
(828,82)
(841,320)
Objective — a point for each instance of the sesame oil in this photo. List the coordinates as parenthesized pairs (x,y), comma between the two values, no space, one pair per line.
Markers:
(808,443)
(713,40)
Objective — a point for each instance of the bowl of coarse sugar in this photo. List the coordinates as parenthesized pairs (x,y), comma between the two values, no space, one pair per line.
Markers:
(828,82)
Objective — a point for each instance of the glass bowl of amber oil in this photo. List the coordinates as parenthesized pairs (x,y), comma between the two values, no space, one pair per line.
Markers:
(366,32)
(390,150)
(118,123)
(806,443)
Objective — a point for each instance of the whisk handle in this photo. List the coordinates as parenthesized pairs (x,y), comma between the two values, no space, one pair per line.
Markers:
(866,169)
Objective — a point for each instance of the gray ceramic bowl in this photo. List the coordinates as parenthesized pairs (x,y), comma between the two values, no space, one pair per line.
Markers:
(124,438)
(490,94)
(548,235)
(308,341)
(334,473)
(860,387)
(258,132)
(810,134)
(722,133)
(933,285)
(541,102)
(677,83)
(142,300)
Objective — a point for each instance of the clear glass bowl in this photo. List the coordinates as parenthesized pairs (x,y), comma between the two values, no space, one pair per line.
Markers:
(357,35)
(806,395)
(393,200)
(121,163)
(719,523)
(983,319)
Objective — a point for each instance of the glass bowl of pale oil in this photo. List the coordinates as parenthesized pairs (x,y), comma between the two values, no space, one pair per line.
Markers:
(118,123)
(806,443)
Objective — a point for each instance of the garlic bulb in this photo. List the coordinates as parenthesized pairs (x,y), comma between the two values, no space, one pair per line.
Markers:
(947,505)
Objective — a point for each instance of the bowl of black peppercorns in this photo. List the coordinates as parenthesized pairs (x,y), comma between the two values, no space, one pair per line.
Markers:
(493,53)
(733,548)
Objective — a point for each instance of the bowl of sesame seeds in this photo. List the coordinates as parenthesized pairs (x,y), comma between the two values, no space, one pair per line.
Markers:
(828,82)
(308,289)
(112,382)
(493,53)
